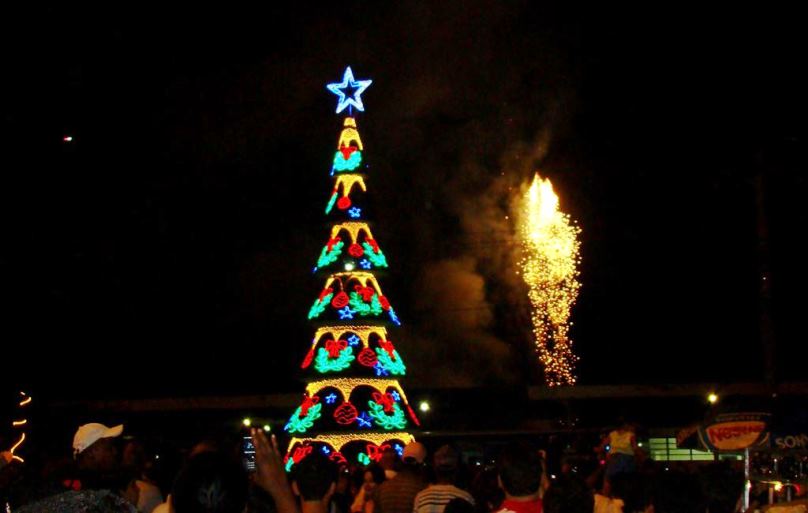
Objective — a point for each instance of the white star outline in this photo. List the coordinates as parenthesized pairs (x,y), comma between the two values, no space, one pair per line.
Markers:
(349,81)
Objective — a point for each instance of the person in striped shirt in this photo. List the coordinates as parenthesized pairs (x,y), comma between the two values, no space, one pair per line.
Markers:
(434,498)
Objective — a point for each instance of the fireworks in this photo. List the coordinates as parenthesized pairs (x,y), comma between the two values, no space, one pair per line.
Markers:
(550,269)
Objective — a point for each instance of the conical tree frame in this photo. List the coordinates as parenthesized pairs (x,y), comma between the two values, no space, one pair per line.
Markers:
(353,406)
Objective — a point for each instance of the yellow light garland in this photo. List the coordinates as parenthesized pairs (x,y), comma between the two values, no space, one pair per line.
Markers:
(353,228)
(347,183)
(349,134)
(338,441)
(363,277)
(550,269)
(363,332)
(346,385)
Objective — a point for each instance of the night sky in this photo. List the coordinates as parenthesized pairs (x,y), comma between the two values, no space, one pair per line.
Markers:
(167,249)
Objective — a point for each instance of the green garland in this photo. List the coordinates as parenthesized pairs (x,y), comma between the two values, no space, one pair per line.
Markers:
(329,257)
(394,421)
(297,424)
(377,259)
(364,309)
(397,367)
(324,363)
(319,306)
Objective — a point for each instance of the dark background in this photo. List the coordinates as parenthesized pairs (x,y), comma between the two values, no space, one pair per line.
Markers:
(167,249)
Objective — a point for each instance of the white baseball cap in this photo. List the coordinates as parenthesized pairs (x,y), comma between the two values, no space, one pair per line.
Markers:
(88,434)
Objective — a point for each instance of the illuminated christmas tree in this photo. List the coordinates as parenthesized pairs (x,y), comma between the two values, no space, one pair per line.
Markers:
(353,406)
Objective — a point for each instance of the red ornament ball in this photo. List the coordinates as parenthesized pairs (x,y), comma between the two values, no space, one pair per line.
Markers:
(344,203)
(356,250)
(346,414)
(367,357)
(340,300)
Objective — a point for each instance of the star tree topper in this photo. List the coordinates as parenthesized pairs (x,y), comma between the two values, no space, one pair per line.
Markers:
(348,82)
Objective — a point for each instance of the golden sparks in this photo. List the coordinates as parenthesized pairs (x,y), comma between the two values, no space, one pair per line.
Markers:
(550,270)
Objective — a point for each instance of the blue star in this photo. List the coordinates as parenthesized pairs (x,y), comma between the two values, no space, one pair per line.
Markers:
(381,371)
(365,263)
(346,313)
(348,81)
(330,398)
(355,212)
(326,450)
(399,449)
(396,396)
(364,420)
(354,340)
(393,317)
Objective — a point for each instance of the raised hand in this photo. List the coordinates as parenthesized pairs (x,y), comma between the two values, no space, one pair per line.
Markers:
(271,475)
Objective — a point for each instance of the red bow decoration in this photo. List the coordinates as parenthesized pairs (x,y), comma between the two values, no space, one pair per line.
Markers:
(388,346)
(356,251)
(331,243)
(375,453)
(334,347)
(300,453)
(308,402)
(373,244)
(338,458)
(325,292)
(385,400)
(365,292)
(346,151)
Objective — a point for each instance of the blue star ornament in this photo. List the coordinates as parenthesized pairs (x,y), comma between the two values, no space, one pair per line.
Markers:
(348,83)
(345,313)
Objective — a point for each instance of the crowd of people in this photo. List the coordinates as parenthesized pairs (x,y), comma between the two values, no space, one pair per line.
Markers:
(111,474)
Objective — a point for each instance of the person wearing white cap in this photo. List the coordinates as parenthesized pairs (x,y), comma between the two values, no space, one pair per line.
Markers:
(97,457)
(93,446)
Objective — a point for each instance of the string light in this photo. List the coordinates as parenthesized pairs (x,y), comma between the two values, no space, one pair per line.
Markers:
(354,229)
(300,422)
(392,420)
(364,421)
(325,363)
(346,183)
(17,446)
(550,270)
(339,441)
(346,385)
(348,82)
(346,164)
(392,364)
(18,424)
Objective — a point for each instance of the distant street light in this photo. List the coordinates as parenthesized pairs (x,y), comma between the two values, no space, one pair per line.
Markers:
(247,422)
(424,406)
(712,398)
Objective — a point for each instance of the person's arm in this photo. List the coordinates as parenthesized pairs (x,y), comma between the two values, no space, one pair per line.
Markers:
(358,504)
(271,475)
